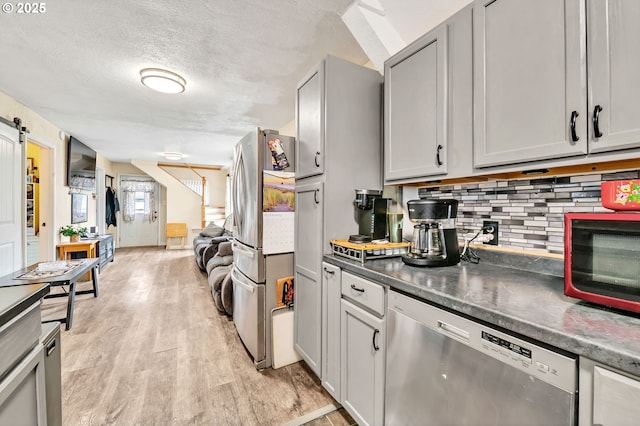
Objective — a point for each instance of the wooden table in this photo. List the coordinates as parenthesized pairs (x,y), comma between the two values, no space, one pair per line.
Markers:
(82,246)
(68,279)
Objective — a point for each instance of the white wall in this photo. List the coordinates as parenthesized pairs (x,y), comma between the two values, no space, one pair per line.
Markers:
(182,205)
(216,180)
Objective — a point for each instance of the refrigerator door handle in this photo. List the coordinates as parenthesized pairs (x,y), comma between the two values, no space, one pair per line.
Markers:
(237,181)
(240,281)
(243,251)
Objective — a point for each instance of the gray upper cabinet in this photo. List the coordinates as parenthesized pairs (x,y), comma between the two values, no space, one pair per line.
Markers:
(428,97)
(529,80)
(309,120)
(415,105)
(613,70)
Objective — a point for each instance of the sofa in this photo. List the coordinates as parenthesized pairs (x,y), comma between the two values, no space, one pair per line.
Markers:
(205,244)
(214,255)
(219,278)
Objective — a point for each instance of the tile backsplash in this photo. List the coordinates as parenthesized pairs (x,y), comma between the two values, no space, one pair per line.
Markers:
(530,212)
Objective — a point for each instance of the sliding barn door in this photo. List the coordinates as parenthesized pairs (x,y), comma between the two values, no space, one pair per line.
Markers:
(11,186)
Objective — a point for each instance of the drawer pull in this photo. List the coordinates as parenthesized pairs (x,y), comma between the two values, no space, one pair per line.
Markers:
(375,333)
(51,347)
(329,271)
(353,287)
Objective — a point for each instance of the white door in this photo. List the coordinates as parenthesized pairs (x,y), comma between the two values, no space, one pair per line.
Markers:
(142,228)
(11,208)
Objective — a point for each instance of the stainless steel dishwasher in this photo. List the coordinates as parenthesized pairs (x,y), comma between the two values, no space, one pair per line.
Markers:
(443,369)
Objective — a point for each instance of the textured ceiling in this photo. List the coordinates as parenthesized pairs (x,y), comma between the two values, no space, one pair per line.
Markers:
(77,66)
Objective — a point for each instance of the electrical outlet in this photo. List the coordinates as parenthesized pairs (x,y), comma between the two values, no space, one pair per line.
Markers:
(491,227)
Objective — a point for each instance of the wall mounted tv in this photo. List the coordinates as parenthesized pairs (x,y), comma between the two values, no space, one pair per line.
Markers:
(81,165)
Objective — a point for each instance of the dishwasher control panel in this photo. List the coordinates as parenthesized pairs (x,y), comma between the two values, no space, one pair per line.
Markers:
(524,353)
(537,361)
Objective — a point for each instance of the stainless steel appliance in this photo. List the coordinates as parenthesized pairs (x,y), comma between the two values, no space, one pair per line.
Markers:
(435,239)
(263,205)
(371,215)
(443,369)
(601,252)
(50,339)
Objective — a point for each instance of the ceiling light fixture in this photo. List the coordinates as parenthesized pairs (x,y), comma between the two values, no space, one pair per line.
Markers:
(162,80)
(173,156)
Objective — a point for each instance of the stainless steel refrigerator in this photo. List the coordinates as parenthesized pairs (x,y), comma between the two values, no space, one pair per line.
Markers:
(263,188)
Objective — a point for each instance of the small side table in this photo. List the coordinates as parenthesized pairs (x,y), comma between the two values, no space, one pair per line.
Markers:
(86,246)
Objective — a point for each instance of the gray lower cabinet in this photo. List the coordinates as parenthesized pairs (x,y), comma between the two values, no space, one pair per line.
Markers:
(608,397)
(613,67)
(307,263)
(22,370)
(22,392)
(529,80)
(331,295)
(362,336)
(428,98)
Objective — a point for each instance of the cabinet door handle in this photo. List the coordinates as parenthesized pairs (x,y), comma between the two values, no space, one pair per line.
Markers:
(315,196)
(373,340)
(353,287)
(329,271)
(438,161)
(315,159)
(596,117)
(574,136)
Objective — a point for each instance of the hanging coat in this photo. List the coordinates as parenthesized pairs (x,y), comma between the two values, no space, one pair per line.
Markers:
(110,208)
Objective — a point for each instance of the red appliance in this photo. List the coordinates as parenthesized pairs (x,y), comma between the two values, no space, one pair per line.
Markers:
(602,258)
(621,194)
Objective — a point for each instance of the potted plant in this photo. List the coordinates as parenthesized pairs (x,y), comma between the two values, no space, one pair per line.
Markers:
(73,232)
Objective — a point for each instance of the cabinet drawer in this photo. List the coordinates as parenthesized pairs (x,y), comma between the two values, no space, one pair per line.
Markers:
(19,336)
(366,293)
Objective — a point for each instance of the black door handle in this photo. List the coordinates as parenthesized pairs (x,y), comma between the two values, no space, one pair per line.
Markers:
(574,136)
(596,117)
(353,286)
(373,340)
(438,162)
(315,196)
(329,271)
(315,159)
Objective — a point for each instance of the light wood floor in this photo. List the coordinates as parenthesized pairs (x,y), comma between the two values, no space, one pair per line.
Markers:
(152,349)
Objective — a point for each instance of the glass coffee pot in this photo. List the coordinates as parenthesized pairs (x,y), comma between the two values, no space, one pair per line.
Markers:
(435,240)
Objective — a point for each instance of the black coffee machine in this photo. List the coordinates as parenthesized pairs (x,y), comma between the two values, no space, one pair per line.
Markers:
(371,215)
(435,240)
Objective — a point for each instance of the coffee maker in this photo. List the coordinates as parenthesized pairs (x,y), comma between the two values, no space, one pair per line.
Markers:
(435,240)
(371,215)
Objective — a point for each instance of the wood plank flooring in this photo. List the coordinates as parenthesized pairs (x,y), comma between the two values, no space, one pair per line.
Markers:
(152,349)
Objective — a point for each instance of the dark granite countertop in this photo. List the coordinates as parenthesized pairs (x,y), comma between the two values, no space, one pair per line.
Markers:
(531,304)
(15,299)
